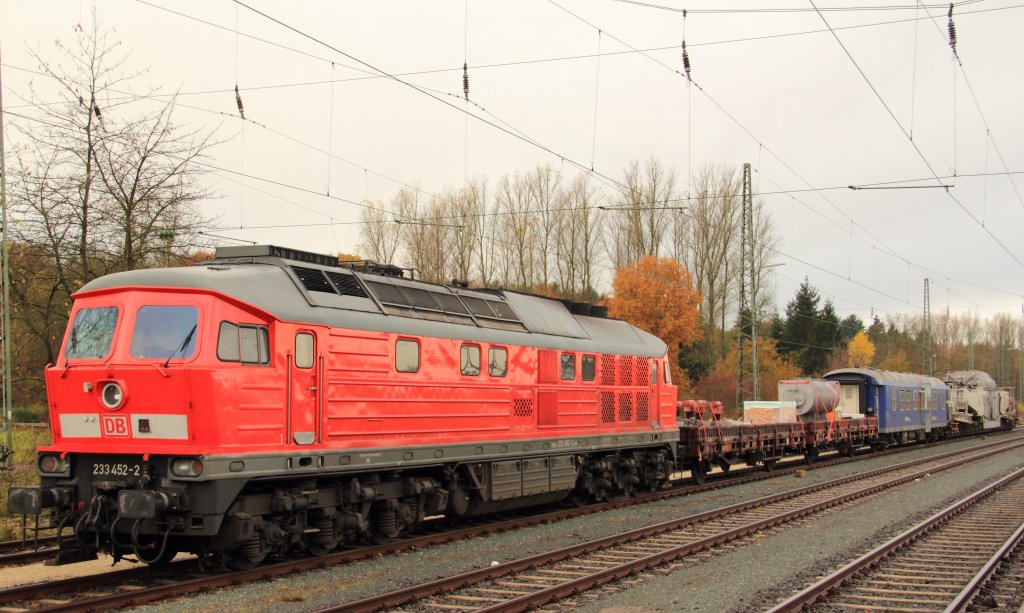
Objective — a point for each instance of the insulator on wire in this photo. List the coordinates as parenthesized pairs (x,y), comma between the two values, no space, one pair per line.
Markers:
(686,62)
(238,101)
(96,110)
(952,30)
(465,81)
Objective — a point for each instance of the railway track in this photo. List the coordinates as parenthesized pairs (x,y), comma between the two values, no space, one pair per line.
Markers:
(541,579)
(27,551)
(945,563)
(145,584)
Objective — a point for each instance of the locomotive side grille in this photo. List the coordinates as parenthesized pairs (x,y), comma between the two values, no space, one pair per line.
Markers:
(522,407)
(421,299)
(388,294)
(625,406)
(450,303)
(547,366)
(608,407)
(607,370)
(625,363)
(643,406)
(641,371)
(346,284)
(313,280)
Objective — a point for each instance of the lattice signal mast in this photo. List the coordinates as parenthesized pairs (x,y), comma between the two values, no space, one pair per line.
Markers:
(747,384)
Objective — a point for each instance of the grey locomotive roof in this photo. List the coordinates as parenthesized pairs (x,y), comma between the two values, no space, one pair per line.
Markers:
(887,377)
(973,379)
(272,284)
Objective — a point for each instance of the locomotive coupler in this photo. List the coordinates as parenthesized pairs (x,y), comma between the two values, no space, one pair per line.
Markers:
(31,500)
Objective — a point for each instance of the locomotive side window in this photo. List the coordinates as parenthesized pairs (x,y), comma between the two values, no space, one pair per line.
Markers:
(497,361)
(665,373)
(304,347)
(162,332)
(469,359)
(92,333)
(245,343)
(407,356)
(654,373)
(568,366)
(588,367)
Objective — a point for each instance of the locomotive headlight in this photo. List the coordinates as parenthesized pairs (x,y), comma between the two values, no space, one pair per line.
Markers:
(52,464)
(112,395)
(187,467)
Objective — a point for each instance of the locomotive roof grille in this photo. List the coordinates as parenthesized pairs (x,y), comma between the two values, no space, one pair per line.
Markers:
(347,285)
(313,280)
(450,303)
(421,298)
(388,293)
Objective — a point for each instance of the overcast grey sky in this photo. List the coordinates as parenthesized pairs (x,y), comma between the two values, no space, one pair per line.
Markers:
(771,87)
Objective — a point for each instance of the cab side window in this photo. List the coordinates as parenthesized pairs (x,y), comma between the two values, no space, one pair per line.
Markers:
(245,343)
(304,348)
(588,367)
(568,366)
(497,361)
(469,360)
(407,356)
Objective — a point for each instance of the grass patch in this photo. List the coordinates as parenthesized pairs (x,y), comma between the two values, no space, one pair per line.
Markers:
(25,441)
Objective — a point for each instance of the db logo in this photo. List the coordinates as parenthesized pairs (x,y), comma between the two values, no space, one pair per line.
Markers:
(115,425)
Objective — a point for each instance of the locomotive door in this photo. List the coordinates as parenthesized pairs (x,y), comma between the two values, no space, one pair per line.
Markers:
(304,390)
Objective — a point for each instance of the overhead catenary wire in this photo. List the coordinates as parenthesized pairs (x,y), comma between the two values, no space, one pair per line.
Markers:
(913,144)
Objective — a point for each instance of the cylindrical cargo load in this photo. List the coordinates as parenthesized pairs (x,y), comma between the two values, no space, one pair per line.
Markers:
(810,395)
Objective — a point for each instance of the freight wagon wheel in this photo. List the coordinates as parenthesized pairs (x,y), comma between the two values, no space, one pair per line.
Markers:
(699,469)
(811,456)
(769,466)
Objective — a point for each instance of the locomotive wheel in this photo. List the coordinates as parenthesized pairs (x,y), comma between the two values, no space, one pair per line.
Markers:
(248,555)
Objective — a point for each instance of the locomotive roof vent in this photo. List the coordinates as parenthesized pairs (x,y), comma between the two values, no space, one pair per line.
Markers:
(265,251)
(328,282)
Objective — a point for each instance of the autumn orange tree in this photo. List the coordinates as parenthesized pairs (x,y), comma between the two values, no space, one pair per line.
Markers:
(860,350)
(657,295)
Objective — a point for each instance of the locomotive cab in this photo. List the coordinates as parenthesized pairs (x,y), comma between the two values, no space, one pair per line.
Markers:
(131,403)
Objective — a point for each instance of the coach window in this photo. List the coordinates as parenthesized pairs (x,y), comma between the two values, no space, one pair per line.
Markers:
(588,367)
(568,366)
(245,343)
(469,360)
(407,356)
(497,361)
(304,347)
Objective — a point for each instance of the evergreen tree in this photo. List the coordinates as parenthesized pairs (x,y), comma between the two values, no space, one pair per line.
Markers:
(851,326)
(809,334)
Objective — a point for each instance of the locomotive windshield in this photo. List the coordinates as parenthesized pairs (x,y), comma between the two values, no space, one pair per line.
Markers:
(91,333)
(162,332)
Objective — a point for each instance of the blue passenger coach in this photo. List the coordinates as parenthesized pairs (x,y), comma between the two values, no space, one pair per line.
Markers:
(908,406)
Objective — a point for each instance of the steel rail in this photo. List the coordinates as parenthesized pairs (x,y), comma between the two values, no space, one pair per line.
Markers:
(822,587)
(544,596)
(978,581)
(140,596)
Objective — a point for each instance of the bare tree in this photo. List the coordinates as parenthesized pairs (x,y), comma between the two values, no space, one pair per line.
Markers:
(578,237)
(105,188)
(381,232)
(641,220)
(544,186)
(517,226)
(712,248)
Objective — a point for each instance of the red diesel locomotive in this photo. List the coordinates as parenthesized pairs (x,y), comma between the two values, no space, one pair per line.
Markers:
(271,401)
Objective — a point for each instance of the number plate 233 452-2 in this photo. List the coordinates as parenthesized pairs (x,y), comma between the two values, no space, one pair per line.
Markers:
(116,469)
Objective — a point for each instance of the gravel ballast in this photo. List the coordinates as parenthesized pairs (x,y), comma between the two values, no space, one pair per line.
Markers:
(747,578)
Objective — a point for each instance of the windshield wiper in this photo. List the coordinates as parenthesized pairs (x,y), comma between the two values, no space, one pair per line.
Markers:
(182,346)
